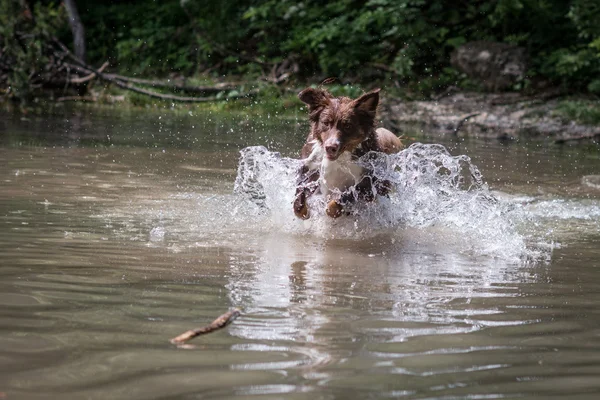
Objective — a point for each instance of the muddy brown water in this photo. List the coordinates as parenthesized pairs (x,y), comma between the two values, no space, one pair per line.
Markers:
(119,232)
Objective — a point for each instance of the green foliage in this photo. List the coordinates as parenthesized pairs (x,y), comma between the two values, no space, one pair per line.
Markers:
(408,42)
(413,38)
(24,37)
(560,36)
(585,14)
(582,111)
(594,86)
(339,37)
(146,38)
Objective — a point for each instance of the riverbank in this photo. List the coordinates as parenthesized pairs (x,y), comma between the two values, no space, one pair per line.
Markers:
(506,116)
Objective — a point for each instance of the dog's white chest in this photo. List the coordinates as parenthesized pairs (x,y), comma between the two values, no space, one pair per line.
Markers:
(334,176)
(340,174)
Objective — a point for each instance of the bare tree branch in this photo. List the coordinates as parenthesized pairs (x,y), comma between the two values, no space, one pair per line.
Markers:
(219,87)
(146,92)
(88,77)
(77,98)
(219,323)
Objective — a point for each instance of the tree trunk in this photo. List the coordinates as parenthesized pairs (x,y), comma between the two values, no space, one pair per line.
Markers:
(76,28)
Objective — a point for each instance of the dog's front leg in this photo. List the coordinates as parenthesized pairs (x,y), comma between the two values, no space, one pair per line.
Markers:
(306,185)
(367,189)
(370,187)
(362,190)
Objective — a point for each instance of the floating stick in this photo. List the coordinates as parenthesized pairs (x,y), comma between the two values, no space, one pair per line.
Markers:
(217,324)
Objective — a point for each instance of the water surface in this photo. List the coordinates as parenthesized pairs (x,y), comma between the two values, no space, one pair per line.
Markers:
(122,231)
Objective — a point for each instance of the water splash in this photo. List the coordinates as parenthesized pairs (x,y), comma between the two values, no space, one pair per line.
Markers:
(441,197)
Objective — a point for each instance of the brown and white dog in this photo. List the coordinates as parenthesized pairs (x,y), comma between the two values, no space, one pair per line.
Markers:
(341,130)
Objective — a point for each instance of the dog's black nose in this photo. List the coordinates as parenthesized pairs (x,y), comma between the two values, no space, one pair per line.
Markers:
(332,149)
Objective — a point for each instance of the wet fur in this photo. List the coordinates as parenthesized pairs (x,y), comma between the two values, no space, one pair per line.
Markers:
(341,130)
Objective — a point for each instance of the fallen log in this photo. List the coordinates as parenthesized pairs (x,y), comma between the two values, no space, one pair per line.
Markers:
(219,87)
(77,98)
(127,86)
(172,97)
(219,323)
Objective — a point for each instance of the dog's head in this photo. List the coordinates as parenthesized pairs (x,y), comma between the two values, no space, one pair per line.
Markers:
(340,123)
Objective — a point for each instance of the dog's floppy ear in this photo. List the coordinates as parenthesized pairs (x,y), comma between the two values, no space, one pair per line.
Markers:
(315,98)
(368,102)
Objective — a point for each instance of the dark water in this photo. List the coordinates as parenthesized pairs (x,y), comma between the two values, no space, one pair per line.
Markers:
(119,232)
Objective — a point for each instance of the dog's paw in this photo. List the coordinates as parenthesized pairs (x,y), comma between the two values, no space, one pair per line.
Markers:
(301,210)
(334,209)
(383,187)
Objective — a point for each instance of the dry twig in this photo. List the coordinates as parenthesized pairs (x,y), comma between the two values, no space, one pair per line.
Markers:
(217,324)
(89,77)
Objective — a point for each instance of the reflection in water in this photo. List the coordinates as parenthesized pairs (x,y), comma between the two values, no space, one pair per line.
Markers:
(315,296)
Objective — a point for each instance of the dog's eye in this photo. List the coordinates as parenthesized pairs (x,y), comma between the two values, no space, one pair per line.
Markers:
(326,121)
(346,126)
